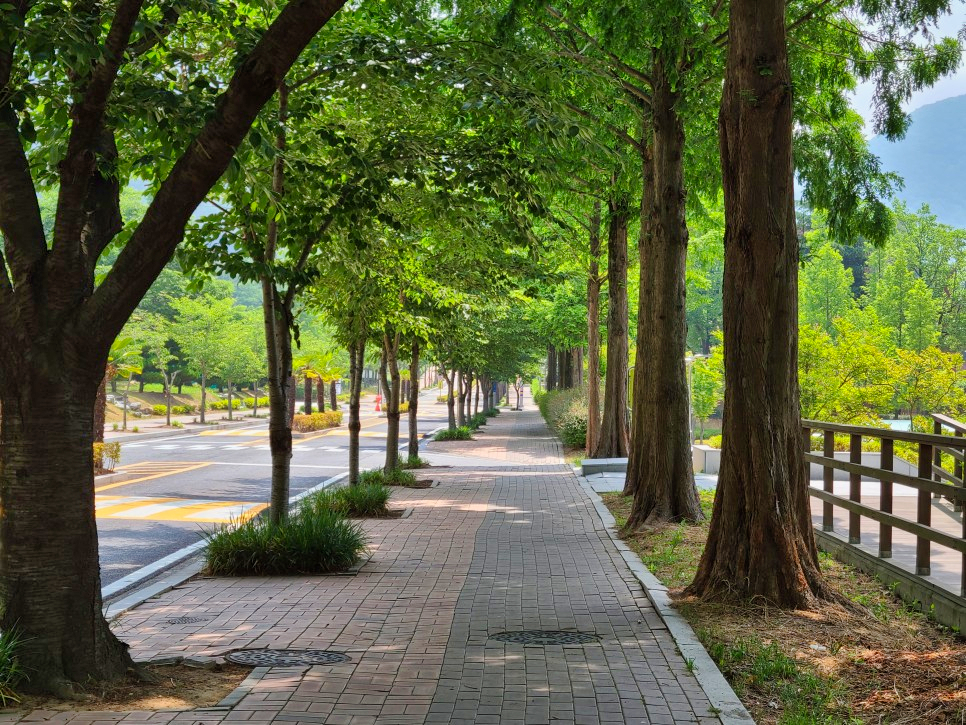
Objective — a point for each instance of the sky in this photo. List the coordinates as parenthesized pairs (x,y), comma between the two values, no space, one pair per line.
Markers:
(954,85)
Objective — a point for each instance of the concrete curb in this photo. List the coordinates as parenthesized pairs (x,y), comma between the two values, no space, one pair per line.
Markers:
(723,698)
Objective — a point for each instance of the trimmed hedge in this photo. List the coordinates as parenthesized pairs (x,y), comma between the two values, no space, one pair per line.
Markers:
(566,413)
(317,421)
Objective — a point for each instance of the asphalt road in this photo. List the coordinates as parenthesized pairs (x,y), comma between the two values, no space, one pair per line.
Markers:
(193,482)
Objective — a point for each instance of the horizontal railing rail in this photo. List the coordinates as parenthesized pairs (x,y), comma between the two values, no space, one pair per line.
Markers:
(931,480)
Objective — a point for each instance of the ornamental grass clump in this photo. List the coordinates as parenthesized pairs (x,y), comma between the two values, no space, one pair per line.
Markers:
(461,433)
(11,672)
(311,541)
(477,420)
(359,501)
(400,477)
(414,462)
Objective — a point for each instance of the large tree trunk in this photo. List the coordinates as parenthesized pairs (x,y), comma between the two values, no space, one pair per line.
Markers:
(414,401)
(333,396)
(761,544)
(614,433)
(50,583)
(308,396)
(660,472)
(320,395)
(100,410)
(392,384)
(357,353)
(593,334)
(281,396)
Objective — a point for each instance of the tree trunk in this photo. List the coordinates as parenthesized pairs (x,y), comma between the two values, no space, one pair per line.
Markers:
(100,410)
(392,384)
(414,401)
(230,390)
(450,402)
(167,400)
(49,577)
(461,407)
(476,397)
(761,544)
(357,352)
(204,395)
(333,396)
(254,399)
(593,334)
(660,473)
(320,395)
(614,433)
(551,368)
(278,340)
(308,396)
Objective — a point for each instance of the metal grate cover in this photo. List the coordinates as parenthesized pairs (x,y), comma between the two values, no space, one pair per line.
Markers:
(188,620)
(285,657)
(540,637)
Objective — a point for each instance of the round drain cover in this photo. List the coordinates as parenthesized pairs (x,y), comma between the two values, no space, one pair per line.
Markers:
(545,637)
(285,657)
(188,620)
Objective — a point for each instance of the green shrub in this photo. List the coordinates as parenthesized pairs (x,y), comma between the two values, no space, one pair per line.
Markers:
(404,406)
(414,462)
(311,541)
(355,501)
(250,402)
(223,404)
(476,421)
(454,434)
(317,421)
(535,387)
(182,409)
(399,477)
(492,412)
(11,671)
(566,413)
(442,398)
(713,441)
(371,478)
(177,424)
(159,409)
(106,456)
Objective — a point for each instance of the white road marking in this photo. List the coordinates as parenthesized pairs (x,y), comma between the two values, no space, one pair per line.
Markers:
(151,509)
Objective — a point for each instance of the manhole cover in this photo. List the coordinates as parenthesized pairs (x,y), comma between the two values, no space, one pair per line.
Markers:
(188,620)
(285,657)
(545,636)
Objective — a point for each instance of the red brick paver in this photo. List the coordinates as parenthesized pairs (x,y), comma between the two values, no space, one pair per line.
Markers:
(508,543)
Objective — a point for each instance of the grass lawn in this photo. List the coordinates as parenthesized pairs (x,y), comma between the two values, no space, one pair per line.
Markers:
(882,663)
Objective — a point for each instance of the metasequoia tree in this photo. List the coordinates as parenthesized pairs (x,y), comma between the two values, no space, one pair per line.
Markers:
(56,322)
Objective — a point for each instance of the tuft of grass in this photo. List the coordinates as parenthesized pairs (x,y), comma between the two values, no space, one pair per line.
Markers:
(400,477)
(359,501)
(11,672)
(455,434)
(414,462)
(492,412)
(311,541)
(476,421)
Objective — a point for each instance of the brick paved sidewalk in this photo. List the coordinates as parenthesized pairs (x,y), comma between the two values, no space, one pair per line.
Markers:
(509,543)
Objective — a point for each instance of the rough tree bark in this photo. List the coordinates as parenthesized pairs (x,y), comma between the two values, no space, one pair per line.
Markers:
(357,352)
(594,283)
(761,543)
(333,396)
(461,398)
(320,395)
(307,406)
(660,472)
(551,368)
(614,433)
(277,318)
(450,378)
(413,448)
(100,410)
(392,384)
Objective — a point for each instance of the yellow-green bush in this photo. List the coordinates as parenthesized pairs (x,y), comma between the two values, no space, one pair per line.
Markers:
(159,409)
(106,456)
(566,413)
(317,421)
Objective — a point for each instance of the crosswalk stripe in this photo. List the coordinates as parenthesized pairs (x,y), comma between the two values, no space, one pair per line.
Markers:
(175,509)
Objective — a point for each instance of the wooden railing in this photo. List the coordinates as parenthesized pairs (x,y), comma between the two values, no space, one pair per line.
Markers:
(931,480)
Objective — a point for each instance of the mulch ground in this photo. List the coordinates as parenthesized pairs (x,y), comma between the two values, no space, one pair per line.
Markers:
(882,662)
(178,687)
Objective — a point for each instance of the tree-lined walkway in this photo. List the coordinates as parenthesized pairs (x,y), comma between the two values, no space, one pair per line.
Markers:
(509,543)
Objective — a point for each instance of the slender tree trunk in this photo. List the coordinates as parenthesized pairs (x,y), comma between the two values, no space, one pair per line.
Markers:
(476,397)
(551,368)
(333,396)
(357,353)
(660,472)
(100,410)
(414,401)
(593,334)
(230,412)
(450,378)
(308,396)
(391,381)
(204,394)
(461,407)
(278,341)
(254,399)
(761,544)
(48,535)
(614,433)
(320,395)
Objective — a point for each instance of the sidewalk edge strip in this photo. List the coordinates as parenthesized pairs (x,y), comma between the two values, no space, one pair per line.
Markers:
(721,695)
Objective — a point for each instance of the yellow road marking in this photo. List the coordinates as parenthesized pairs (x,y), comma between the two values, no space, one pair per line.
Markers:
(175,509)
(178,468)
